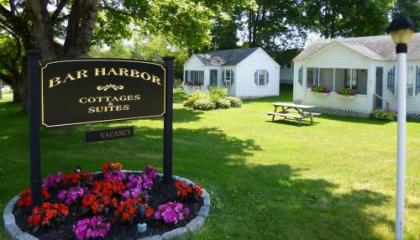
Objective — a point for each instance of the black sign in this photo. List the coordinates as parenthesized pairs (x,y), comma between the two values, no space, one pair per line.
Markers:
(83,91)
(109,134)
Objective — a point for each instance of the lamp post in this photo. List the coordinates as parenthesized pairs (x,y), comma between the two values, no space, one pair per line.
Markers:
(401,30)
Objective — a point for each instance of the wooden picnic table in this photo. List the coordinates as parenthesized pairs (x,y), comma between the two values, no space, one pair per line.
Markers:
(300,112)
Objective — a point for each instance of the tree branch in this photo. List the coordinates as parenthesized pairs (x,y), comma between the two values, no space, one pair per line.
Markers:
(60,7)
(12,6)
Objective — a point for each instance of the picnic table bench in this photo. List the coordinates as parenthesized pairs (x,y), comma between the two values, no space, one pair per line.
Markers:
(299,112)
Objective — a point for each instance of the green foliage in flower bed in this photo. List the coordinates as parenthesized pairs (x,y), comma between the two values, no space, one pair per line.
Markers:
(193,97)
(382,115)
(213,99)
(204,104)
(235,102)
(223,103)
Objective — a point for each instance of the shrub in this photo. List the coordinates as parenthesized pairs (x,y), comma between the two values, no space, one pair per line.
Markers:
(223,103)
(204,104)
(235,102)
(193,97)
(382,115)
(217,93)
(178,83)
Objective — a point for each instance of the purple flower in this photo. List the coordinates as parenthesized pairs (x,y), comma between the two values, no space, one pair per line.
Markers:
(53,180)
(148,175)
(139,184)
(90,228)
(172,212)
(115,175)
(71,195)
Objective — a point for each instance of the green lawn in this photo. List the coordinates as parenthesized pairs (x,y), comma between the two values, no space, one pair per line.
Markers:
(332,180)
(6,97)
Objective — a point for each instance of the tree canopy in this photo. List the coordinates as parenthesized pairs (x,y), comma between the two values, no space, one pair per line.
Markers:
(408,8)
(69,28)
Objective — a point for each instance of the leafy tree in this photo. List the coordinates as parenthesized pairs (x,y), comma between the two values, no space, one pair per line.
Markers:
(346,18)
(151,48)
(408,8)
(67,28)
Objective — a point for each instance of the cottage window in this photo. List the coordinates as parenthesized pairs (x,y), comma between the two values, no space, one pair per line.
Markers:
(312,77)
(261,77)
(326,78)
(194,77)
(410,81)
(228,77)
(355,79)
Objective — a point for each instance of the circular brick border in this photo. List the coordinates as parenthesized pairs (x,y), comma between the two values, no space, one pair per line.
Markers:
(191,227)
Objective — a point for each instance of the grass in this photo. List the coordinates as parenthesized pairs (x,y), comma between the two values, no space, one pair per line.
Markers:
(267,180)
(6,97)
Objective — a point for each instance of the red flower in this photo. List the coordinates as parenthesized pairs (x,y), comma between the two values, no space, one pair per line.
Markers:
(25,199)
(183,190)
(148,212)
(198,190)
(47,213)
(76,177)
(111,166)
(127,210)
(108,187)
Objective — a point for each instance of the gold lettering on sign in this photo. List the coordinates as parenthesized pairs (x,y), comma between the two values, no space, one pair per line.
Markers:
(103,72)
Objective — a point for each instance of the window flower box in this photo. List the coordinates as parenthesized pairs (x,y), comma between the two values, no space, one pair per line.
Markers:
(347,93)
(194,84)
(320,91)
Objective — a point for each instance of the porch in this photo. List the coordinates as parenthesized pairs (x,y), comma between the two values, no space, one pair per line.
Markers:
(343,88)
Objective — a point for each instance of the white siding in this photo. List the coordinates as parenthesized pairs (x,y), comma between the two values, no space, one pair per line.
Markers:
(413,102)
(298,88)
(193,63)
(286,74)
(244,77)
(335,56)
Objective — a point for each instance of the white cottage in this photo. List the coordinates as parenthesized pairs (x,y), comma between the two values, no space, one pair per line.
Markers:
(247,73)
(367,65)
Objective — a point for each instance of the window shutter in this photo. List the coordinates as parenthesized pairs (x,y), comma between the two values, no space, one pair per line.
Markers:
(201,77)
(267,77)
(391,80)
(232,77)
(256,77)
(417,80)
(186,76)
(300,76)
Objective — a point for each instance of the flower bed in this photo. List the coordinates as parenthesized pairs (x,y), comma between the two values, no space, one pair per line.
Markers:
(108,205)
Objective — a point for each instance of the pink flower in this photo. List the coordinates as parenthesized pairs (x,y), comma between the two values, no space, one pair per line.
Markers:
(172,212)
(94,227)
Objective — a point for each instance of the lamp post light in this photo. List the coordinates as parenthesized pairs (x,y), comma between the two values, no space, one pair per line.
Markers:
(401,31)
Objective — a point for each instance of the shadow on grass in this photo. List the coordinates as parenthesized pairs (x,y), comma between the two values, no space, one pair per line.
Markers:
(249,201)
(356,120)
